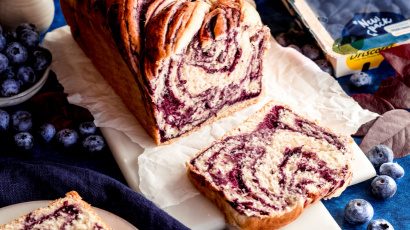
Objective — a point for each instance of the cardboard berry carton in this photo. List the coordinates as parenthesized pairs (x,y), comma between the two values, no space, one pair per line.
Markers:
(352,33)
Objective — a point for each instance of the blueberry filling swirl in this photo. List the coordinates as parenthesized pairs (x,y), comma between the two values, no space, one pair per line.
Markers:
(201,57)
(283,161)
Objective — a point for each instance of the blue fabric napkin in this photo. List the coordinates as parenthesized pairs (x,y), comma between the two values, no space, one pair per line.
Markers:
(22,181)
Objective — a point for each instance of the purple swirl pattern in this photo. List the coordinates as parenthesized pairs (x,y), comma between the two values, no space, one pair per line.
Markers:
(259,176)
(200,58)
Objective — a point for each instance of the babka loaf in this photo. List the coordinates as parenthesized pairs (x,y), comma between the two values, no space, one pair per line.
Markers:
(264,173)
(70,212)
(177,64)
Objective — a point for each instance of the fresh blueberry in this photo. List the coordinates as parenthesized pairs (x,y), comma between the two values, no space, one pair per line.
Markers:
(383,187)
(311,51)
(10,87)
(379,224)
(380,154)
(282,39)
(4,120)
(4,63)
(24,140)
(87,128)
(41,59)
(335,30)
(360,79)
(8,73)
(10,36)
(322,17)
(394,8)
(329,8)
(67,137)
(16,53)
(94,143)
(295,47)
(392,170)
(29,38)
(26,75)
(383,4)
(358,211)
(325,66)
(47,132)
(25,26)
(3,42)
(22,121)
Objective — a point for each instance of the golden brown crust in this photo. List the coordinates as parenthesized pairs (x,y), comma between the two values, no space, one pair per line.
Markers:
(274,222)
(92,32)
(110,34)
(232,216)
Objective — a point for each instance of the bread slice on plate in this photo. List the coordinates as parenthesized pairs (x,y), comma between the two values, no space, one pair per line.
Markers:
(263,174)
(70,212)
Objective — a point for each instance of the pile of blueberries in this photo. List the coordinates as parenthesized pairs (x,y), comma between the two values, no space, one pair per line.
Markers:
(20,124)
(22,60)
(305,44)
(360,211)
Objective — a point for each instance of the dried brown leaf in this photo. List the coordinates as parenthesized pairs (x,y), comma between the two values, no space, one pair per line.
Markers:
(374,104)
(393,130)
(396,92)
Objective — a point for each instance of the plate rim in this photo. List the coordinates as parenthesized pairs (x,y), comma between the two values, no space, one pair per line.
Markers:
(44,203)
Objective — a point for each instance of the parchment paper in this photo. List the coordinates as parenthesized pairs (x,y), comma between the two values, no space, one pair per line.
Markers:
(289,77)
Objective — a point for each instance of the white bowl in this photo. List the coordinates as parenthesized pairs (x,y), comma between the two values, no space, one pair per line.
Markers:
(26,94)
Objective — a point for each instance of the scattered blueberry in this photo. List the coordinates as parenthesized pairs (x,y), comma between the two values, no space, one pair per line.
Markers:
(26,75)
(16,53)
(4,120)
(22,121)
(47,132)
(380,154)
(4,62)
(325,66)
(10,87)
(282,39)
(392,170)
(358,211)
(25,26)
(8,73)
(3,42)
(383,4)
(67,137)
(295,47)
(379,224)
(94,143)
(383,187)
(360,79)
(24,140)
(87,128)
(41,59)
(29,38)
(10,36)
(311,51)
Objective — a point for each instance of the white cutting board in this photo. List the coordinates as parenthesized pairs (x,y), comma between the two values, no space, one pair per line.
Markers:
(200,214)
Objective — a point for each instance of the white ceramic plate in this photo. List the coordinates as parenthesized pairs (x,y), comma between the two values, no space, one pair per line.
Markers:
(26,94)
(14,211)
(199,213)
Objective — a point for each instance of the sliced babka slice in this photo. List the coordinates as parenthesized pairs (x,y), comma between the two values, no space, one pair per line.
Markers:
(70,212)
(264,173)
